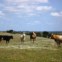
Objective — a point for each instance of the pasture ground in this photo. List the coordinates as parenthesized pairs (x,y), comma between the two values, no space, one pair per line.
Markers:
(43,50)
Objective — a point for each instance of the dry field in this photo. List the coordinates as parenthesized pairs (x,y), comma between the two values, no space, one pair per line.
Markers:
(43,50)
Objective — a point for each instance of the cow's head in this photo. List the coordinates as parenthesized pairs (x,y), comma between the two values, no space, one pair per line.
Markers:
(11,37)
(52,36)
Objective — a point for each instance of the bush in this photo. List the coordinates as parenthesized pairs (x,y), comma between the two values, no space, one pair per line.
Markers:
(45,34)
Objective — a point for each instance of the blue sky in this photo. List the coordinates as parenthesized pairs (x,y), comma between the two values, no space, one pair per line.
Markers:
(31,15)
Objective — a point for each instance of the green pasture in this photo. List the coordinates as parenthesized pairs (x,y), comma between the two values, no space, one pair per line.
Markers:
(43,50)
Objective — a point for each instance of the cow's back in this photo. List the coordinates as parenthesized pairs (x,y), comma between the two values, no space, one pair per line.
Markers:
(57,37)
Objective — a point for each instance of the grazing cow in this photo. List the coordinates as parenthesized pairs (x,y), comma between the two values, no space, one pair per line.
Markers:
(33,36)
(57,38)
(23,37)
(6,38)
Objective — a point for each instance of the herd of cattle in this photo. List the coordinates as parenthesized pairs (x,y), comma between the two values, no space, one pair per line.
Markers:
(57,38)
(22,37)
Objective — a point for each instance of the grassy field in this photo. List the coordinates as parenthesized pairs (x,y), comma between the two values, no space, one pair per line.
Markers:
(43,50)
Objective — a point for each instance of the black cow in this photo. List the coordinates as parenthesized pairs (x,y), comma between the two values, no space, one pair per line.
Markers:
(6,38)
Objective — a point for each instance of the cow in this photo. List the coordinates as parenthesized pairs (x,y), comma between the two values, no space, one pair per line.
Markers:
(33,36)
(22,37)
(57,38)
(6,38)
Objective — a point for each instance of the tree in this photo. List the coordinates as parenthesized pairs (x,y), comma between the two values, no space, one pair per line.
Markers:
(45,34)
(10,31)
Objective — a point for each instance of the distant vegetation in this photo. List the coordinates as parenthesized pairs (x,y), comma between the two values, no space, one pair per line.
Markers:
(39,33)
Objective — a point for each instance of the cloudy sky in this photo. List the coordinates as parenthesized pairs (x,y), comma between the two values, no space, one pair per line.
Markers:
(31,15)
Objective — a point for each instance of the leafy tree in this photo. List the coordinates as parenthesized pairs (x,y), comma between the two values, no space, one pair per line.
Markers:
(45,34)
(10,31)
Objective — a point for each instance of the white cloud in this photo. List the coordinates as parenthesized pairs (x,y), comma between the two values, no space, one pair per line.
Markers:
(25,6)
(41,1)
(11,9)
(31,10)
(1,13)
(27,1)
(44,8)
(56,13)
(16,1)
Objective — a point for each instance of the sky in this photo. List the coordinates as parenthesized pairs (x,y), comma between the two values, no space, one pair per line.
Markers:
(31,15)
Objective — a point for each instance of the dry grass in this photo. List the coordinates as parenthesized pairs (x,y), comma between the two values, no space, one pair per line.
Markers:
(44,54)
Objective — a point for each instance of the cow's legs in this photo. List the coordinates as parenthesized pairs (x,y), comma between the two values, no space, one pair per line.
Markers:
(7,42)
(58,43)
(22,40)
(33,40)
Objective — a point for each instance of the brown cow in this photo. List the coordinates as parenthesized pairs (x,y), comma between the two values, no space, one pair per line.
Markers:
(57,38)
(33,36)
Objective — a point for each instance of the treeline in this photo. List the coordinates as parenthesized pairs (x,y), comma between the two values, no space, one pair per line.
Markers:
(40,34)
